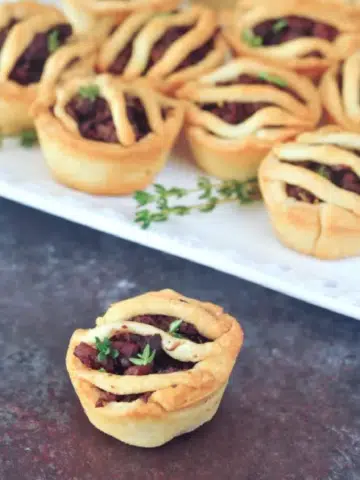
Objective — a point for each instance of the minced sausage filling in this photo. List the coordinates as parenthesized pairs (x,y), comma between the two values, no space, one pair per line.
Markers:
(237,112)
(340,175)
(163,322)
(106,397)
(129,346)
(29,67)
(277,31)
(169,37)
(95,120)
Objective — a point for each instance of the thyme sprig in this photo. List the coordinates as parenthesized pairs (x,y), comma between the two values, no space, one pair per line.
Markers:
(279,25)
(90,92)
(53,41)
(27,138)
(105,349)
(147,356)
(211,194)
(252,39)
(174,328)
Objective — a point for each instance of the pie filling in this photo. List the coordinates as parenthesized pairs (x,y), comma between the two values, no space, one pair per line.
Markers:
(159,49)
(163,322)
(281,30)
(29,67)
(4,32)
(237,112)
(129,346)
(107,397)
(340,175)
(234,112)
(95,120)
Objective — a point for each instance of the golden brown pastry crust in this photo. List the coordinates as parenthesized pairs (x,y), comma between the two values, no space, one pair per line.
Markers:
(90,15)
(235,151)
(342,99)
(292,54)
(183,400)
(327,230)
(146,28)
(106,168)
(15,99)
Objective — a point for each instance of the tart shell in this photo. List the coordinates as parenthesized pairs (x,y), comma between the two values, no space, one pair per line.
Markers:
(327,230)
(104,168)
(293,54)
(228,154)
(181,401)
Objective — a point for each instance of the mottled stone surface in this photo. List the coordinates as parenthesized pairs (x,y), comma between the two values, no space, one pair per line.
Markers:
(291,411)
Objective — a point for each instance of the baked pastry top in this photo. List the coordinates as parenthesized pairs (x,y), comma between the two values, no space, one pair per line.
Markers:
(168,48)
(305,35)
(166,364)
(312,190)
(118,133)
(246,106)
(340,93)
(27,42)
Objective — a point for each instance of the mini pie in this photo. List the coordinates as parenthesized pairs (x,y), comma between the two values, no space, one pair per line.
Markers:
(304,35)
(106,137)
(88,16)
(194,345)
(340,93)
(168,48)
(235,114)
(311,189)
(30,33)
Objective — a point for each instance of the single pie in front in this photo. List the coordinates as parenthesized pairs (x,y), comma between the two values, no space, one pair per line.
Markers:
(155,367)
(235,114)
(304,35)
(340,93)
(30,34)
(311,189)
(103,136)
(168,48)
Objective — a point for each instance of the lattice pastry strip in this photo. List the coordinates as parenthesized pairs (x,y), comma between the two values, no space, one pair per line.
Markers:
(105,136)
(240,110)
(312,191)
(304,35)
(19,38)
(162,405)
(114,94)
(29,34)
(340,93)
(90,16)
(142,31)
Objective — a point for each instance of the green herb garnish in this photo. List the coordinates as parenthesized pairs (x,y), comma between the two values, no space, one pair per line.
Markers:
(268,77)
(251,39)
(105,349)
(323,171)
(102,370)
(28,138)
(211,194)
(53,42)
(90,92)
(174,327)
(144,358)
(279,25)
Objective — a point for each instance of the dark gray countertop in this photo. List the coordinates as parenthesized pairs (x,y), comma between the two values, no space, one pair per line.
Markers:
(291,410)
